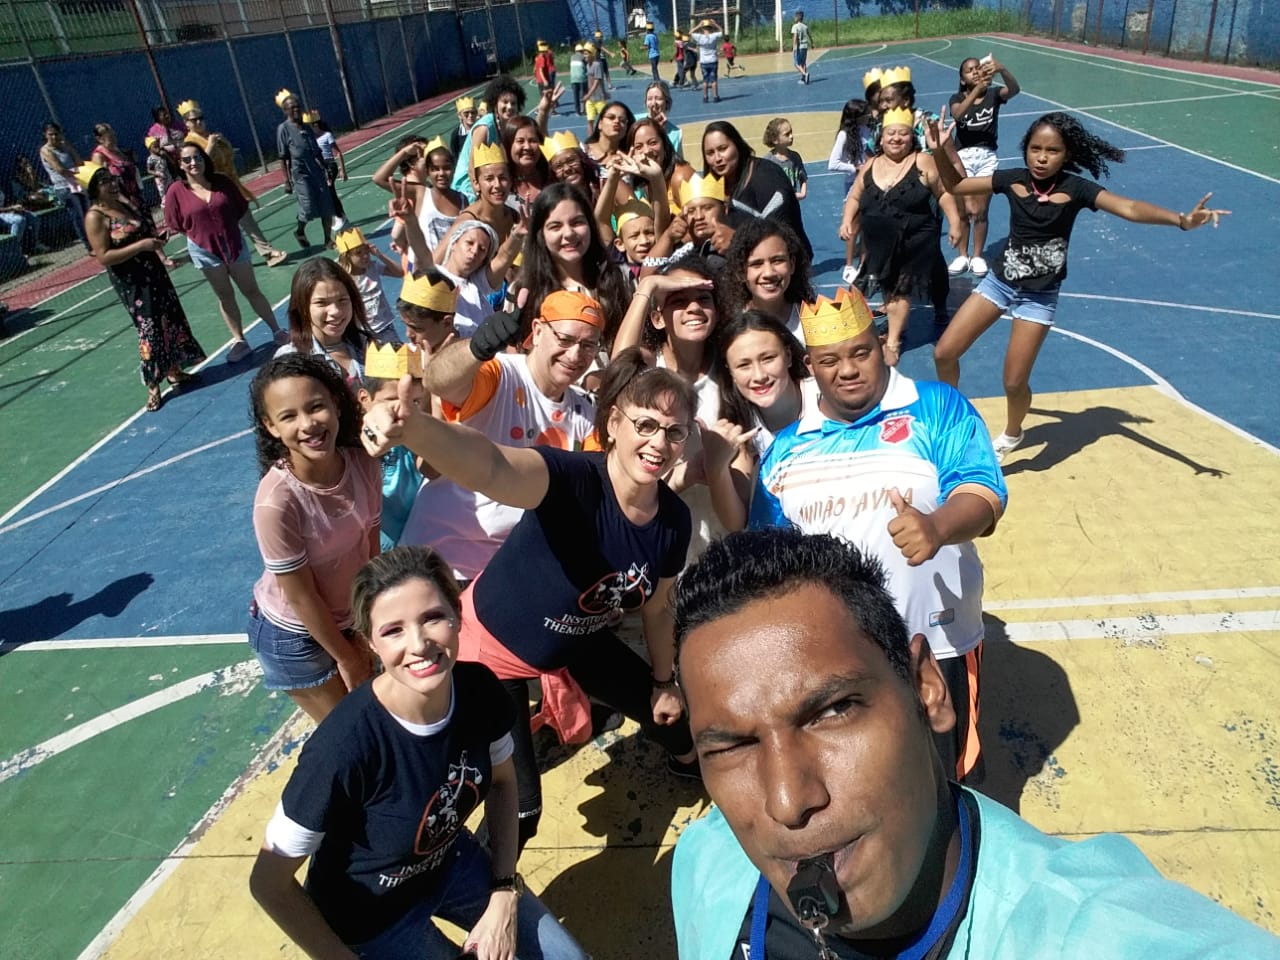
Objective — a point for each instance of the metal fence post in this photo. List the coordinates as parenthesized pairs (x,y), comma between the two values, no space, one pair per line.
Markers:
(146,48)
(293,57)
(342,62)
(35,66)
(244,97)
(408,62)
(426,23)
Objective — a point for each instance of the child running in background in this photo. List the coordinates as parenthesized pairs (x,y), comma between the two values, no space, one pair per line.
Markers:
(334,164)
(778,137)
(1044,198)
(401,468)
(975,107)
(624,56)
(316,518)
(729,50)
(367,264)
(848,153)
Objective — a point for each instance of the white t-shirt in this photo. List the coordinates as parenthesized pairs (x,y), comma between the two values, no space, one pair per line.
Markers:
(800,33)
(435,225)
(706,525)
(377,309)
(473,300)
(708,48)
(505,404)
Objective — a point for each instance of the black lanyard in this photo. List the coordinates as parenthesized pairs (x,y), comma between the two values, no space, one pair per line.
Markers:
(942,920)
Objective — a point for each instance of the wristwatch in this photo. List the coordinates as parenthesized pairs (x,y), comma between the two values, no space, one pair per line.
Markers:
(514,882)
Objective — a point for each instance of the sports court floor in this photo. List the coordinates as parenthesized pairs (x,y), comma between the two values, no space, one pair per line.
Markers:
(1132,589)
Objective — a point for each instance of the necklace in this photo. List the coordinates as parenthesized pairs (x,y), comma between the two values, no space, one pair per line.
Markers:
(1042,196)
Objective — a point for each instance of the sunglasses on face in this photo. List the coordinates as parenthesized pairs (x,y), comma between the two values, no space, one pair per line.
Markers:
(191,160)
(196,118)
(648,427)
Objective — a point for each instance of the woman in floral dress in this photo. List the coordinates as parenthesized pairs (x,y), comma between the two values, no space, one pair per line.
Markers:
(124,241)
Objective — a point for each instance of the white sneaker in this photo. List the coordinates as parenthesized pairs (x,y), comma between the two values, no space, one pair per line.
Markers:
(239,350)
(338,224)
(1005,445)
(958,266)
(978,267)
(850,273)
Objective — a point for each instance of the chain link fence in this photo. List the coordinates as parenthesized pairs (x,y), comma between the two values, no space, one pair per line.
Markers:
(82,62)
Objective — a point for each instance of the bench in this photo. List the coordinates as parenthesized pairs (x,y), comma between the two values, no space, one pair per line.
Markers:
(12,259)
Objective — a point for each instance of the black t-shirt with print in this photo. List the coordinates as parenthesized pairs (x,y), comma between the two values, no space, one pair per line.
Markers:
(390,802)
(575,564)
(1035,255)
(977,126)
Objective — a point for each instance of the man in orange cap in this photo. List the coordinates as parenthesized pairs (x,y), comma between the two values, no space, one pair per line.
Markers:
(515,399)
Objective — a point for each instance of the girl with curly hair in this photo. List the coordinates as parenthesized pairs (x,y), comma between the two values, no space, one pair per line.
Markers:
(767,269)
(316,517)
(1044,198)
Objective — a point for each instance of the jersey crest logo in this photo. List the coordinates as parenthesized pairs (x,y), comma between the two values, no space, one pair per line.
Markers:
(896,429)
(449,807)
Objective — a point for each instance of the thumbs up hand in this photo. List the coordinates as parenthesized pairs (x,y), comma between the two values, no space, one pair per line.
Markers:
(913,532)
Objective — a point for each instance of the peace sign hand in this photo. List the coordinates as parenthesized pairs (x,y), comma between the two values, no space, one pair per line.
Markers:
(1200,215)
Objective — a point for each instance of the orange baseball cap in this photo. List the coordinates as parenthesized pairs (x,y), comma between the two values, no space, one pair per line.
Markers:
(571,305)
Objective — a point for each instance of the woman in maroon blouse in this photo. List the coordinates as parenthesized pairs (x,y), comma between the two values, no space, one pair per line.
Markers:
(207,207)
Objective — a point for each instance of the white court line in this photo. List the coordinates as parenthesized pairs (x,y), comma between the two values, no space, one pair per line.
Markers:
(123,643)
(1098,60)
(1168,389)
(272,752)
(1118,599)
(239,673)
(1175,306)
(1148,136)
(1160,103)
(125,479)
(1145,630)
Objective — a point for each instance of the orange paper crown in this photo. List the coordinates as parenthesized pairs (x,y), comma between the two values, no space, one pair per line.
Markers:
(349,239)
(699,187)
(487,153)
(391,363)
(898,116)
(431,291)
(895,75)
(558,143)
(833,321)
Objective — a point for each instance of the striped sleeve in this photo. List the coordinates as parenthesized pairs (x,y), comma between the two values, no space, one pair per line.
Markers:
(277,525)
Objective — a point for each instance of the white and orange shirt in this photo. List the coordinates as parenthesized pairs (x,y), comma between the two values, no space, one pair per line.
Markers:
(927,441)
(464,527)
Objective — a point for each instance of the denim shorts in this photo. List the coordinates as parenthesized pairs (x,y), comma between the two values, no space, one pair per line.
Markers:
(710,72)
(290,661)
(1037,306)
(202,259)
(979,161)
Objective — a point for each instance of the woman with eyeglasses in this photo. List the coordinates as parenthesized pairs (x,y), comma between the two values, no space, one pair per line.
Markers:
(207,207)
(223,158)
(602,535)
(125,243)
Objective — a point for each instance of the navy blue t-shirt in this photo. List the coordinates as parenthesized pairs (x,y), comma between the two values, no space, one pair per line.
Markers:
(391,803)
(1035,255)
(575,564)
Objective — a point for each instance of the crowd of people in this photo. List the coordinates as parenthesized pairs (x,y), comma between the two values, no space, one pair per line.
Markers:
(617,393)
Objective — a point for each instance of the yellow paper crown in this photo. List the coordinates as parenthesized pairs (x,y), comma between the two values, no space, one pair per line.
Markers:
(874,75)
(559,143)
(435,143)
(310,116)
(834,321)
(465,103)
(630,210)
(150,142)
(543,45)
(895,75)
(187,106)
(349,239)
(487,153)
(699,187)
(431,292)
(284,94)
(86,170)
(391,363)
(898,116)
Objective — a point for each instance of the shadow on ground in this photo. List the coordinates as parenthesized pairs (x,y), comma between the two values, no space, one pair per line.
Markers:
(57,614)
